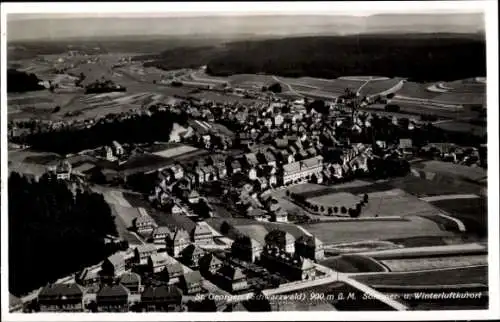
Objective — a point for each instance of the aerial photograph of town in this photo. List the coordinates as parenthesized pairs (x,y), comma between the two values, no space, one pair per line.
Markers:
(246,162)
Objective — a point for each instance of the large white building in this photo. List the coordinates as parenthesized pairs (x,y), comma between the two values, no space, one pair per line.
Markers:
(302,170)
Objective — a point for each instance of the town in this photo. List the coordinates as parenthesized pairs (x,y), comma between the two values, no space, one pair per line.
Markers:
(251,192)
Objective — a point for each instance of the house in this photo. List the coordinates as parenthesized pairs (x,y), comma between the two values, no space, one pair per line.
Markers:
(310,247)
(281,143)
(291,173)
(118,148)
(236,166)
(221,170)
(157,262)
(159,235)
(201,234)
(61,298)
(90,279)
(199,175)
(257,214)
(405,143)
(162,299)
(279,216)
(143,252)
(191,178)
(194,197)
(63,170)
(177,171)
(232,279)
(270,158)
(282,240)
(177,242)
(268,123)
(113,298)
(176,210)
(252,174)
(273,180)
(191,255)
(174,270)
(209,263)
(131,281)
(114,265)
(262,182)
(144,224)
(246,248)
(278,120)
(251,160)
(294,267)
(191,282)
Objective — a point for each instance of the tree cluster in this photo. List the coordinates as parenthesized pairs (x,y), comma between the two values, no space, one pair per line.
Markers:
(135,129)
(419,58)
(20,82)
(53,232)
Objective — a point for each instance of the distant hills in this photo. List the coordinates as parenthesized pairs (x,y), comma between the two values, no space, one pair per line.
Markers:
(242,27)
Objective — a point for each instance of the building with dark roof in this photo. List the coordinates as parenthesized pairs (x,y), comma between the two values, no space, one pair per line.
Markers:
(132,281)
(310,247)
(282,240)
(191,255)
(157,262)
(201,234)
(174,270)
(143,252)
(177,242)
(114,265)
(191,282)
(61,298)
(114,298)
(294,267)
(160,234)
(161,299)
(246,248)
(232,279)
(210,264)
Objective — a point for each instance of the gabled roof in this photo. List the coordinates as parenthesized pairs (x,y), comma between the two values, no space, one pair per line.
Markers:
(305,264)
(210,260)
(130,278)
(251,158)
(312,162)
(144,219)
(194,194)
(279,238)
(116,259)
(181,234)
(159,259)
(113,291)
(162,230)
(291,167)
(174,269)
(192,277)
(256,213)
(201,230)
(61,290)
(231,273)
(146,248)
(192,250)
(159,293)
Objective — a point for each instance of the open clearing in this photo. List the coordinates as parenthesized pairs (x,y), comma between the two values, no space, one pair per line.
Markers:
(341,232)
(415,264)
(453,276)
(353,264)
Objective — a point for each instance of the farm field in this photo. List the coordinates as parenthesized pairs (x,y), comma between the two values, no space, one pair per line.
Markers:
(415,264)
(416,90)
(343,232)
(451,169)
(422,187)
(452,276)
(353,264)
(472,212)
(464,127)
(375,87)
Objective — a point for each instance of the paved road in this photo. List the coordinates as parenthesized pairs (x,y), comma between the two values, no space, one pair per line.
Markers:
(449,197)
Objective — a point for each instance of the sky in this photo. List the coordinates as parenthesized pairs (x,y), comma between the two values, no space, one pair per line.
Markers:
(58,21)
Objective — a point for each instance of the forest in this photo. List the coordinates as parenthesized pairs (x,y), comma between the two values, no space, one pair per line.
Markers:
(53,232)
(421,58)
(20,82)
(136,129)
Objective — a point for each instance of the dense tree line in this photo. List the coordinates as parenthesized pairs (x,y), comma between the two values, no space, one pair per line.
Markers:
(20,82)
(135,129)
(53,232)
(422,58)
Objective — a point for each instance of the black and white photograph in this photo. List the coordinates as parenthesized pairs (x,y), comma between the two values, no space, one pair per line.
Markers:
(310,160)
